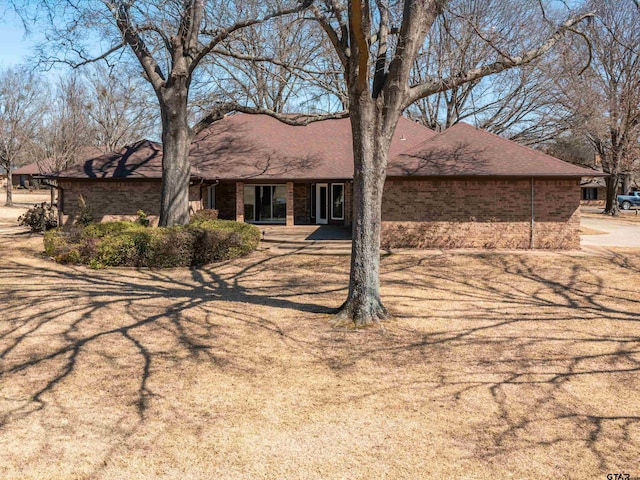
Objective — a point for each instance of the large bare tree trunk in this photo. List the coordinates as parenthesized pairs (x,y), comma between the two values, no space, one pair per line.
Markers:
(611,206)
(9,202)
(176,170)
(371,142)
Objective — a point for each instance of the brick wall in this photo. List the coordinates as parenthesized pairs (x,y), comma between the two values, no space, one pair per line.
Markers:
(226,201)
(113,200)
(348,203)
(480,213)
(302,203)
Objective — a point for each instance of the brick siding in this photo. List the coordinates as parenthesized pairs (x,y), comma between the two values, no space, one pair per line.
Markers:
(480,214)
(226,201)
(302,203)
(117,200)
(415,213)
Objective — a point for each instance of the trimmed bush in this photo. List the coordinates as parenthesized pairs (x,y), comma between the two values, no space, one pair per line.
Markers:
(204,214)
(113,244)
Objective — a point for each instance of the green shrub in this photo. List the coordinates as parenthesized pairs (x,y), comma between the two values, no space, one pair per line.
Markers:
(113,244)
(204,215)
(62,246)
(170,247)
(114,250)
(142,218)
(243,237)
(100,230)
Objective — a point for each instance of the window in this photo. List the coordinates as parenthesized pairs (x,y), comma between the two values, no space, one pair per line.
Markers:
(589,193)
(211,197)
(265,203)
(337,201)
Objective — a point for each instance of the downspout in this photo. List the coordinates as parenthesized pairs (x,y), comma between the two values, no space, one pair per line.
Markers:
(203,187)
(532,240)
(200,187)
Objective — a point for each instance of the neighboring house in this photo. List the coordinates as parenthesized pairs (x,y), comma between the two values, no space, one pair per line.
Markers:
(593,191)
(463,187)
(34,172)
(20,176)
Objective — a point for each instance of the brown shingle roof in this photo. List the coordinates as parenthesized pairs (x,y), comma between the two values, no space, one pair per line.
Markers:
(30,169)
(143,159)
(464,150)
(259,147)
(45,166)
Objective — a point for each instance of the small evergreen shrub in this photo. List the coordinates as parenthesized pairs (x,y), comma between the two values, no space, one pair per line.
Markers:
(113,244)
(142,218)
(85,214)
(40,218)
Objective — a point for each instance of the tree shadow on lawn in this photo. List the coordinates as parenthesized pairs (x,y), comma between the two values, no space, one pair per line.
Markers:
(81,295)
(519,342)
(555,357)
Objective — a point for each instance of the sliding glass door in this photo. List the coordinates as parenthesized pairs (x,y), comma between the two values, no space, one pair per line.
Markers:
(265,203)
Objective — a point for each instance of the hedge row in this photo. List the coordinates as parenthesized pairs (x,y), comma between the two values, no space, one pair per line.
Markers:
(116,244)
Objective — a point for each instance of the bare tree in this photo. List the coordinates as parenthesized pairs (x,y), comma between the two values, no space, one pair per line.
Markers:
(516,103)
(119,106)
(20,105)
(64,128)
(169,40)
(272,66)
(605,98)
(378,44)
(574,149)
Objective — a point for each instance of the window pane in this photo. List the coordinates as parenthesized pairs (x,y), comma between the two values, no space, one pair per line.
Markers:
(249,203)
(337,201)
(280,202)
(211,200)
(323,202)
(264,203)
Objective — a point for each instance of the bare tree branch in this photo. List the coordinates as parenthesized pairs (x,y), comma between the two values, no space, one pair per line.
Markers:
(219,112)
(438,85)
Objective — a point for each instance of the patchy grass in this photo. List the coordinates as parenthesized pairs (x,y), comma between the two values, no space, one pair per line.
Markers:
(496,366)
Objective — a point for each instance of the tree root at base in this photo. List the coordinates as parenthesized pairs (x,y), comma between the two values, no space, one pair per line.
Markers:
(358,313)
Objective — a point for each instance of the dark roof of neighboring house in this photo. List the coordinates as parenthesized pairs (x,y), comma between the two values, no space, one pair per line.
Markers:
(464,150)
(259,147)
(590,182)
(30,169)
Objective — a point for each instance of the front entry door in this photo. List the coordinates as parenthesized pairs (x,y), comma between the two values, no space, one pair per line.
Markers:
(322,203)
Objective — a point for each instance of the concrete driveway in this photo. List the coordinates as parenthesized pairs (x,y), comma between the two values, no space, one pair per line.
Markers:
(619,233)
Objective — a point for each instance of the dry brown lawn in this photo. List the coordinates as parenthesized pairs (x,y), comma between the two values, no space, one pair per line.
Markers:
(631,216)
(496,366)
(591,231)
